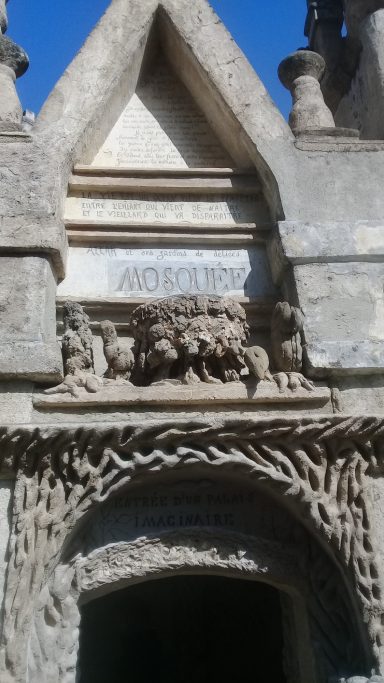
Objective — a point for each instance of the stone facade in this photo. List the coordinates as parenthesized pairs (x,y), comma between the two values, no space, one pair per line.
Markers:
(192,340)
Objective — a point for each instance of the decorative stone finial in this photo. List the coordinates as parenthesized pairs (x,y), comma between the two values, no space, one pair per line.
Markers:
(13,63)
(301,73)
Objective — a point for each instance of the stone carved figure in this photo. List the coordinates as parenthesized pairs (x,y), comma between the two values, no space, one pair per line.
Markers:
(120,360)
(77,341)
(190,338)
(77,350)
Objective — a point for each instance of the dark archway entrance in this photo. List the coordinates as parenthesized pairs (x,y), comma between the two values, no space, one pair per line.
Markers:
(195,629)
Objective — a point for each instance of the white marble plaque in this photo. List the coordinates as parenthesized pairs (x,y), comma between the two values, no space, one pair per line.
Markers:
(120,208)
(95,272)
(162,127)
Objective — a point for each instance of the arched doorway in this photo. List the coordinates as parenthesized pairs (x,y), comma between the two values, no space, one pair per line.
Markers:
(194,629)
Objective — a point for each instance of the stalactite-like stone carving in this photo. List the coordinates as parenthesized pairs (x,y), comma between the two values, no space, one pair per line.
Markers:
(184,340)
(77,341)
(190,338)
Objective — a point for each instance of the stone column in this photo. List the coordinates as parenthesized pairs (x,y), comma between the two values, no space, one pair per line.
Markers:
(301,73)
(13,63)
(28,345)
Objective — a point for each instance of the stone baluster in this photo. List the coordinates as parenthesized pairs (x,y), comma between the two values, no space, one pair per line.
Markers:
(13,63)
(301,74)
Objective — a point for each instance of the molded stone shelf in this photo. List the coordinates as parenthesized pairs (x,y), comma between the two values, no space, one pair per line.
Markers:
(167,394)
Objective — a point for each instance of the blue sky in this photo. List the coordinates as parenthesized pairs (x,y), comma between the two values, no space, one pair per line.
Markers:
(52,31)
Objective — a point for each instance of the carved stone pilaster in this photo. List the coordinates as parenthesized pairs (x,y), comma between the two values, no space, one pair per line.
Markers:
(301,74)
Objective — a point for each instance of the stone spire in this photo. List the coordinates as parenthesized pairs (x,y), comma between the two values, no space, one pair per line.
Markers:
(13,63)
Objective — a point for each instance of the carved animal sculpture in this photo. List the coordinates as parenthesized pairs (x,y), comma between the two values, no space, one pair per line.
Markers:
(120,360)
(191,338)
(257,360)
(73,383)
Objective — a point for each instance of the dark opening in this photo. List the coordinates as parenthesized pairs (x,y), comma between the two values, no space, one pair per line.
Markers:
(186,629)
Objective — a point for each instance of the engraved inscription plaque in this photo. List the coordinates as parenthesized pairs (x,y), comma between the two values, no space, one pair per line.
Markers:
(199,505)
(146,272)
(120,208)
(161,127)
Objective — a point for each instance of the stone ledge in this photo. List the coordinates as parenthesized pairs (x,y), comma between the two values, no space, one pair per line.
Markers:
(33,236)
(298,243)
(168,394)
(344,358)
(32,361)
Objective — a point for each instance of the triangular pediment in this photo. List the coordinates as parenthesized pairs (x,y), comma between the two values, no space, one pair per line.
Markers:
(161,127)
(113,79)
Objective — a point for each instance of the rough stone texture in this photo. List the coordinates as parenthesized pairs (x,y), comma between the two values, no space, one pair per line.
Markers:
(343,329)
(194,338)
(28,346)
(77,340)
